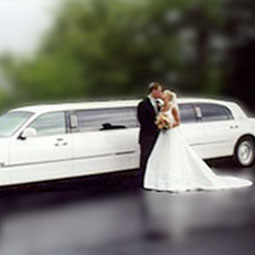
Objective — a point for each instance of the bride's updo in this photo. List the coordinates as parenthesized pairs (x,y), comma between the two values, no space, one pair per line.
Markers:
(171,95)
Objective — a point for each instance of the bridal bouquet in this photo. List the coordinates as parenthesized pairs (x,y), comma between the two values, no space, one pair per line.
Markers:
(163,122)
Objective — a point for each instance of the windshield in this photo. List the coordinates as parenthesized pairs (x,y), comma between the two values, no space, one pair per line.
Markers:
(10,122)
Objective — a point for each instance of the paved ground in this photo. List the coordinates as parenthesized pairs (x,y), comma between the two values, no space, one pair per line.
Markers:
(110,215)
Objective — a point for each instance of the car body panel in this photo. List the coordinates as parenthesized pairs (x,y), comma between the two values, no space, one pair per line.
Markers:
(94,152)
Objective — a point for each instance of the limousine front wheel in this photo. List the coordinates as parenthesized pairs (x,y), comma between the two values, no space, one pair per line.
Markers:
(245,152)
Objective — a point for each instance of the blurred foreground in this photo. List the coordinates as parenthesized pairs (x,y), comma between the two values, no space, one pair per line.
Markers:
(111,215)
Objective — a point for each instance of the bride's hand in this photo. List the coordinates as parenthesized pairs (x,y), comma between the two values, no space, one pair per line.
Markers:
(175,125)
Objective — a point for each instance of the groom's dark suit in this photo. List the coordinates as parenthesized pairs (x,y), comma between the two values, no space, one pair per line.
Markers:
(148,132)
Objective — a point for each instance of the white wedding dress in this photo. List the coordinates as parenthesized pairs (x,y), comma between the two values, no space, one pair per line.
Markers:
(174,166)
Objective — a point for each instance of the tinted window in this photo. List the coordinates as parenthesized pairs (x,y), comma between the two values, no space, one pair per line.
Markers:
(50,124)
(103,119)
(187,113)
(214,112)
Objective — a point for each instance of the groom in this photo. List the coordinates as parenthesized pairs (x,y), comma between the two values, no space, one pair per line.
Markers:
(147,112)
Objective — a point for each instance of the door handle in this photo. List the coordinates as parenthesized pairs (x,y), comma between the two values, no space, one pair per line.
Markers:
(62,144)
(60,139)
(234,126)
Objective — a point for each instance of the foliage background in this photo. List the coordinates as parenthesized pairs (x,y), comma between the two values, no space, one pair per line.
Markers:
(114,48)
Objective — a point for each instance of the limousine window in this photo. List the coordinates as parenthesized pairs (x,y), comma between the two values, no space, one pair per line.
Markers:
(188,113)
(105,119)
(12,121)
(50,124)
(214,112)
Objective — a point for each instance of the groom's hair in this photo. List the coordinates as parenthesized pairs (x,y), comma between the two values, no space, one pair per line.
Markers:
(154,86)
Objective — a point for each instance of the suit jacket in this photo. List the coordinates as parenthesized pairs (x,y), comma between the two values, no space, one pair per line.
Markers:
(147,116)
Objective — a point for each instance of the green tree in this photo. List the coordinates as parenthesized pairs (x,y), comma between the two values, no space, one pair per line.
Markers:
(100,48)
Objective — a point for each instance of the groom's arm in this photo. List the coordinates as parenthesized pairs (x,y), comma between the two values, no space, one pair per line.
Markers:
(141,113)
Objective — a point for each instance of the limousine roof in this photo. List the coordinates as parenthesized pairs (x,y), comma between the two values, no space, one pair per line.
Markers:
(105,104)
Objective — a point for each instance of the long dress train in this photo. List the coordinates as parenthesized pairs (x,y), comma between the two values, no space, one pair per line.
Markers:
(175,166)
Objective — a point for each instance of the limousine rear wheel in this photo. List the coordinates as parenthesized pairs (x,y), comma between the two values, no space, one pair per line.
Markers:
(245,152)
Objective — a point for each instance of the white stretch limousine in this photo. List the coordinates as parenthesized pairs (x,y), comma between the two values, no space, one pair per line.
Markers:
(48,142)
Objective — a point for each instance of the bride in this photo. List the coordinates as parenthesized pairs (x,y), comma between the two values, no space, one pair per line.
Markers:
(174,166)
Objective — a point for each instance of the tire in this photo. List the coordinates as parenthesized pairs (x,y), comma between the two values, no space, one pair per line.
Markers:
(245,152)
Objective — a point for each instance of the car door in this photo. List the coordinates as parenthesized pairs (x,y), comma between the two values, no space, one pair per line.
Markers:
(192,128)
(104,140)
(45,156)
(122,134)
(221,129)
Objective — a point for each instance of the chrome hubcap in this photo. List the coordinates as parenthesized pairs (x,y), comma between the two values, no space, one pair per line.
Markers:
(246,152)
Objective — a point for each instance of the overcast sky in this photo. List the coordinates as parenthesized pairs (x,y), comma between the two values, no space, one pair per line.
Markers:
(22,22)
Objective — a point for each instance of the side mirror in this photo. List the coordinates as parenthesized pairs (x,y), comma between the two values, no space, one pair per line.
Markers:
(28,132)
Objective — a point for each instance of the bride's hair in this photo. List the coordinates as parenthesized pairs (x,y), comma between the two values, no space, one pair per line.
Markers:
(173,98)
(170,94)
